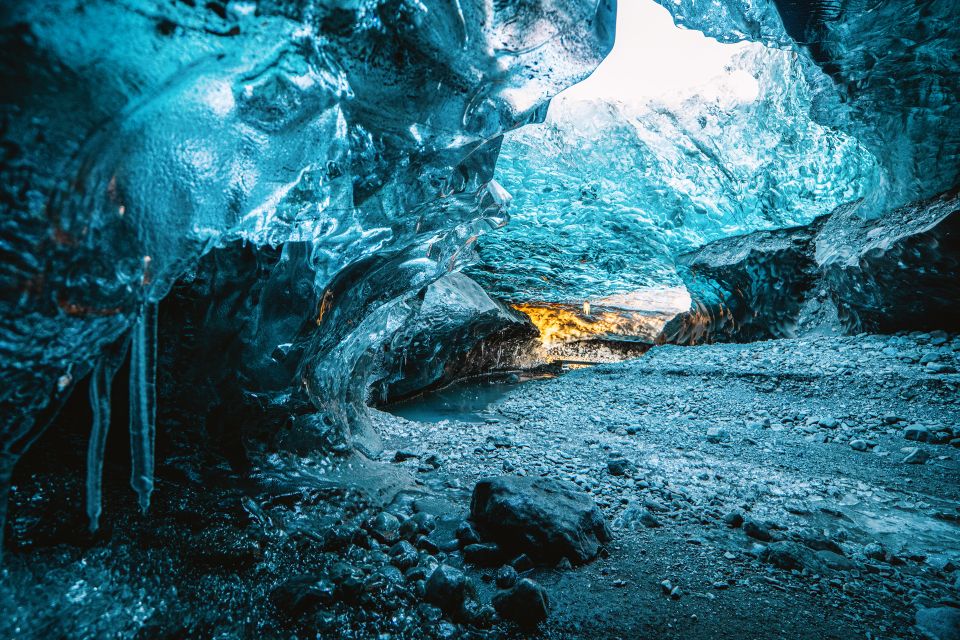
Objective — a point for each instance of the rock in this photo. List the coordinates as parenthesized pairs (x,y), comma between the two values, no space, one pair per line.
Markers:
(620,467)
(789,556)
(745,288)
(756,531)
(454,318)
(404,555)
(527,603)
(402,456)
(835,561)
(506,577)
(917,433)
(303,593)
(544,518)
(859,445)
(467,534)
(648,520)
(916,456)
(874,551)
(385,527)
(939,623)
(447,588)
(522,563)
(716,435)
(484,554)
(733,519)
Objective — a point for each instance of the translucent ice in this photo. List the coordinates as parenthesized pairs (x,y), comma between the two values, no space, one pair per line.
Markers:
(605,194)
(139,136)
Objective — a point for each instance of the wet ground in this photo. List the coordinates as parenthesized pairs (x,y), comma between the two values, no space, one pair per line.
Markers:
(804,441)
(804,437)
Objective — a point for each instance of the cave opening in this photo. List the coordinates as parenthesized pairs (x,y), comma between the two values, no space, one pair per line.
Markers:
(429,319)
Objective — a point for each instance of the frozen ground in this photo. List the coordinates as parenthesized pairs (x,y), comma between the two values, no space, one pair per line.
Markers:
(804,440)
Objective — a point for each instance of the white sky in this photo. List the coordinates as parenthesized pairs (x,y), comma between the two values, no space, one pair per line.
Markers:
(653,58)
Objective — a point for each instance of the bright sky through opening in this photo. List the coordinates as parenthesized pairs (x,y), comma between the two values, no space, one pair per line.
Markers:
(652,58)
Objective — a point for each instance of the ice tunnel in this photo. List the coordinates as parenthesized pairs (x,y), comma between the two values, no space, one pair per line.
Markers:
(475,318)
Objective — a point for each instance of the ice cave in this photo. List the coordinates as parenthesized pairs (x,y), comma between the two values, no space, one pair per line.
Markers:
(480,319)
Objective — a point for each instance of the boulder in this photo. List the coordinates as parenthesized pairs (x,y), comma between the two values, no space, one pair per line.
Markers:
(544,518)
(745,288)
(898,271)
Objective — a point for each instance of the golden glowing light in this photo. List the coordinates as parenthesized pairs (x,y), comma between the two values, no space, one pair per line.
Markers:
(638,315)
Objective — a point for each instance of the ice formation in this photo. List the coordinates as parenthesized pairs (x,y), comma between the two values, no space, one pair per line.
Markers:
(359,137)
(893,70)
(605,194)
(300,172)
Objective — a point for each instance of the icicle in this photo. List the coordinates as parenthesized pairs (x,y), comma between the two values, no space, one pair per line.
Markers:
(100,383)
(143,403)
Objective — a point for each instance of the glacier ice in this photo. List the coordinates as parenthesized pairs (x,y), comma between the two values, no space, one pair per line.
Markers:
(101,381)
(894,76)
(143,402)
(357,138)
(605,194)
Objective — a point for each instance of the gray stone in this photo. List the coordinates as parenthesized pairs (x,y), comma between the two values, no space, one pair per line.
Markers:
(545,518)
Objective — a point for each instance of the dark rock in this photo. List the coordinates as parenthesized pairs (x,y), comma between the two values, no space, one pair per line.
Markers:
(648,520)
(745,288)
(620,467)
(844,271)
(917,456)
(756,530)
(789,556)
(404,555)
(527,603)
(385,527)
(900,270)
(734,519)
(466,534)
(303,593)
(447,588)
(544,518)
(874,551)
(444,338)
(917,433)
(484,554)
(506,577)
(522,563)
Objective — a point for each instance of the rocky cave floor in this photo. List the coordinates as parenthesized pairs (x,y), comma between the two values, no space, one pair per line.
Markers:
(803,488)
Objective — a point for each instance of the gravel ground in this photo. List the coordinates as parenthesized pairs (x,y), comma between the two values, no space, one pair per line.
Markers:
(753,491)
(805,439)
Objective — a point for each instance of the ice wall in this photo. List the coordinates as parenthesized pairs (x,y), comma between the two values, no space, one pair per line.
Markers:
(605,194)
(894,71)
(356,136)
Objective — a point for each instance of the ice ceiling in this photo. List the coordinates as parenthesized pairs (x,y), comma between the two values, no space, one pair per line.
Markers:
(298,171)
(675,140)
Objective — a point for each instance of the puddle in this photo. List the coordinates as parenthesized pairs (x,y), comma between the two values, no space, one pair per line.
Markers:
(468,401)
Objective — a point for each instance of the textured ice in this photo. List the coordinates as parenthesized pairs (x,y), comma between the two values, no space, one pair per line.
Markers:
(358,137)
(894,71)
(605,194)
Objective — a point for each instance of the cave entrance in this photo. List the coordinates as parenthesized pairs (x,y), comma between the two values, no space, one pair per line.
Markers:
(676,140)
